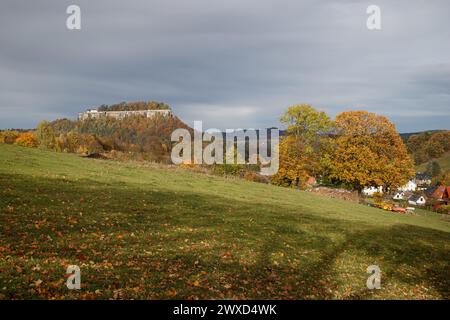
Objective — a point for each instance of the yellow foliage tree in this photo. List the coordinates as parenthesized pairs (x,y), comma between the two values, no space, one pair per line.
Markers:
(369,152)
(292,170)
(302,150)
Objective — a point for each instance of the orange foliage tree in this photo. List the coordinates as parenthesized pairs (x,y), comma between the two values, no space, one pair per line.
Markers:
(369,152)
(27,139)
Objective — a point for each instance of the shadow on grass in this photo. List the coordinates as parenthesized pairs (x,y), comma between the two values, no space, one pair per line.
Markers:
(241,239)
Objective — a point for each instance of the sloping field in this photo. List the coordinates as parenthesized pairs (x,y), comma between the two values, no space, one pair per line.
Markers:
(149,232)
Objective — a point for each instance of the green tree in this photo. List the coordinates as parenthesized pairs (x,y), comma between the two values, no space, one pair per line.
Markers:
(433,169)
(45,135)
(305,122)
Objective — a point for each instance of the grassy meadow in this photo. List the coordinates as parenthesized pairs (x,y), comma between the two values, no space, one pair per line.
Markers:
(153,232)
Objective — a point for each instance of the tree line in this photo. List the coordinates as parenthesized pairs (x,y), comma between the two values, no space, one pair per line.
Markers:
(427,146)
(134,106)
(134,137)
(357,149)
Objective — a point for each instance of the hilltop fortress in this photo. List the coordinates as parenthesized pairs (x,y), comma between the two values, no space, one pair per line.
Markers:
(94,113)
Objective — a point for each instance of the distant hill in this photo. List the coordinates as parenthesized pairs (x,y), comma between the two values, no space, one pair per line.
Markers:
(143,137)
(405,136)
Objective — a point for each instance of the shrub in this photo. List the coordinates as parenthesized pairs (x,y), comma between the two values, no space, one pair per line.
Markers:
(378,197)
(74,142)
(255,177)
(27,139)
(9,136)
(444,209)
(228,169)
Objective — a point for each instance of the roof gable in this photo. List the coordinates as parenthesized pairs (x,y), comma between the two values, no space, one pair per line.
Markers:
(446,194)
(437,192)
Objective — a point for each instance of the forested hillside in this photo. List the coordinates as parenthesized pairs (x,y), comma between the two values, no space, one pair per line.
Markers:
(149,138)
(427,146)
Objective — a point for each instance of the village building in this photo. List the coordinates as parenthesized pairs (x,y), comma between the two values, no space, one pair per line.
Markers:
(417,200)
(399,196)
(370,191)
(423,180)
(440,194)
(411,185)
(446,196)
(311,182)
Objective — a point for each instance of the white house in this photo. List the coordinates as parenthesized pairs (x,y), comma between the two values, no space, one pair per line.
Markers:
(410,186)
(399,196)
(370,191)
(417,200)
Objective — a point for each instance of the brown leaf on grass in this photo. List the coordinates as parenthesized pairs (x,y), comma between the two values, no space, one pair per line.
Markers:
(81,257)
(36,283)
(171,293)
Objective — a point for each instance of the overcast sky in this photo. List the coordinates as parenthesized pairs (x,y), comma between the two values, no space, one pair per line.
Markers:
(230,63)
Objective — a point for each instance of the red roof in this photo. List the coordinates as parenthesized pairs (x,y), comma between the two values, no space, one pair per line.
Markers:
(446,194)
(311,181)
(439,192)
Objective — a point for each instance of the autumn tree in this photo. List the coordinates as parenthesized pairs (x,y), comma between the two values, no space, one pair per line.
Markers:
(27,139)
(303,148)
(45,135)
(445,181)
(369,152)
(292,169)
(9,136)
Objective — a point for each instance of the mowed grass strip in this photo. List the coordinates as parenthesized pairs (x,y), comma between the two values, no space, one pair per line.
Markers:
(151,232)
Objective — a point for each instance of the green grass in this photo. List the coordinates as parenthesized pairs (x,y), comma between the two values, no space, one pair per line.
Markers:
(443,161)
(150,232)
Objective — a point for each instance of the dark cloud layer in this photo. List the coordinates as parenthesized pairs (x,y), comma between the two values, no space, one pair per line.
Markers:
(229,63)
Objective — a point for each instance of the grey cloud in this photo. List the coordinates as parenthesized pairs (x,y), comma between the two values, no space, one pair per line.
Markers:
(230,63)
